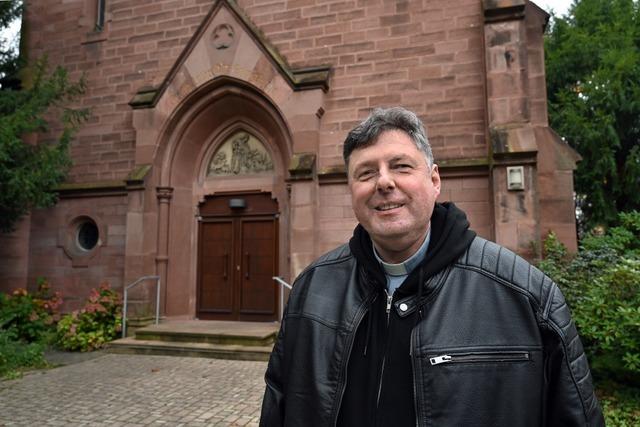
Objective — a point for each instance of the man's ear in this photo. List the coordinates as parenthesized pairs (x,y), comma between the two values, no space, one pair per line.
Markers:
(435,178)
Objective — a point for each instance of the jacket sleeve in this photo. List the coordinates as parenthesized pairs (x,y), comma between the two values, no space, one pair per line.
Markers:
(570,399)
(273,402)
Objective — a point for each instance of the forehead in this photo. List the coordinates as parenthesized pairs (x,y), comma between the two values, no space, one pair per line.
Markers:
(390,144)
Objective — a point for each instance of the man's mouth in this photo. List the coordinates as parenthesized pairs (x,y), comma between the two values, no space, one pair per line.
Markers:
(388,206)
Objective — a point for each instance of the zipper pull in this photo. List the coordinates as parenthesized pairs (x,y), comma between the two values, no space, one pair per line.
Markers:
(389,299)
(440,359)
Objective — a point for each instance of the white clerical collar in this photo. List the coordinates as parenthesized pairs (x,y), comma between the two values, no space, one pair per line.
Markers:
(407,266)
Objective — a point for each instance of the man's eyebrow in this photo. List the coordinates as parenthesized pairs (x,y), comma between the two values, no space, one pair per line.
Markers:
(400,158)
(394,159)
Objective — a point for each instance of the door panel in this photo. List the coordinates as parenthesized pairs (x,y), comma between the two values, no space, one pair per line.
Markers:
(257,293)
(216,267)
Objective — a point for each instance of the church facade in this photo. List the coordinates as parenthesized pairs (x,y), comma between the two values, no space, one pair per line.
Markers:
(212,156)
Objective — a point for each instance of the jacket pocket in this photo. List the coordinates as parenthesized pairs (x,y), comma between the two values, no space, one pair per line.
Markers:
(497,387)
(481,357)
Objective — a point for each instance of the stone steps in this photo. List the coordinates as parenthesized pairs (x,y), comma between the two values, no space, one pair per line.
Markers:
(213,339)
(189,349)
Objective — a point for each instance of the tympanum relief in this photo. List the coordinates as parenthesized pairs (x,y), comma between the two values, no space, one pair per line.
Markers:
(240,154)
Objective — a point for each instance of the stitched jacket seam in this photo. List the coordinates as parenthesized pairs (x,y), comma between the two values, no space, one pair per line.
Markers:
(342,259)
(317,319)
(562,337)
(503,282)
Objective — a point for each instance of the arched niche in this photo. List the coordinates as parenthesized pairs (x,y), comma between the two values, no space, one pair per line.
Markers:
(224,106)
(208,123)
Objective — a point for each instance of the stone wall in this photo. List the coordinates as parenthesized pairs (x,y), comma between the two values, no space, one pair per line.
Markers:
(426,56)
(54,254)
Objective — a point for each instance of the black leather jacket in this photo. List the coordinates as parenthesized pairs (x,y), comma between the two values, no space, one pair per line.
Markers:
(495,347)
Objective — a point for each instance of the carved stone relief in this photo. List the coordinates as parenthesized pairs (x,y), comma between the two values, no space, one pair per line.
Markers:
(223,36)
(240,154)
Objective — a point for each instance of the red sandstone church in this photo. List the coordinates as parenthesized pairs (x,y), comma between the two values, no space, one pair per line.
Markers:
(213,154)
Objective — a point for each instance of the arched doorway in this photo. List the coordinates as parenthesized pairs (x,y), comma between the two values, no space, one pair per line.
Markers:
(197,166)
(237,257)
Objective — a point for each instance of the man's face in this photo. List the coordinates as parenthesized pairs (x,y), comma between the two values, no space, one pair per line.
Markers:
(393,191)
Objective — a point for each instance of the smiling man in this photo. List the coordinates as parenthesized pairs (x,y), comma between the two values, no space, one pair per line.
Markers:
(417,321)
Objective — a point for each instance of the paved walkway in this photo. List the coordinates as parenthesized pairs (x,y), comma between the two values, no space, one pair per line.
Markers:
(128,390)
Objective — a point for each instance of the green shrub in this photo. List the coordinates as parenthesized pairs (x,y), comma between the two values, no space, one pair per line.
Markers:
(602,287)
(15,356)
(29,317)
(620,404)
(98,322)
(608,316)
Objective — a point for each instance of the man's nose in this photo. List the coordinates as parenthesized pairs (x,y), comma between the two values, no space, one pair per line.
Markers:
(385,180)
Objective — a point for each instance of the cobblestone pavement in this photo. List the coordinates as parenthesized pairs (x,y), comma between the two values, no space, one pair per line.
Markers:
(127,390)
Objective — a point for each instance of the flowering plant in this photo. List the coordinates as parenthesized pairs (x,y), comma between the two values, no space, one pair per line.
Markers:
(98,322)
(29,316)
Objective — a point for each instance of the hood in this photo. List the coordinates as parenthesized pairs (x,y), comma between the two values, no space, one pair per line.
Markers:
(450,237)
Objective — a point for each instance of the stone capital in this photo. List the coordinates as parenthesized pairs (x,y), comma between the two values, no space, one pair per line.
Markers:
(164,194)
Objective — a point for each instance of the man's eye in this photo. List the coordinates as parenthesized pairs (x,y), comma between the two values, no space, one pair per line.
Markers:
(367,174)
(402,166)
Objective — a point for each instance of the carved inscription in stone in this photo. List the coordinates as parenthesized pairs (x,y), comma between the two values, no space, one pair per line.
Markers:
(240,154)
(223,36)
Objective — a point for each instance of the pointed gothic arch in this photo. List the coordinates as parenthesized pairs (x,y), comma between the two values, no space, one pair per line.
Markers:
(208,119)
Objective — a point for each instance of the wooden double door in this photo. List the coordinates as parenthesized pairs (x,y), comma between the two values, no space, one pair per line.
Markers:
(238,257)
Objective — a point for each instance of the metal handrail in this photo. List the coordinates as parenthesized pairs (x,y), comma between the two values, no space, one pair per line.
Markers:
(124,308)
(282,284)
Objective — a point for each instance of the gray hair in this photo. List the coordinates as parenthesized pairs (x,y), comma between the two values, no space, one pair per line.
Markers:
(384,119)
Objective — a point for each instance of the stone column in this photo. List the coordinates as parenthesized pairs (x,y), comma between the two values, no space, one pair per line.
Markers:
(512,137)
(302,193)
(164,195)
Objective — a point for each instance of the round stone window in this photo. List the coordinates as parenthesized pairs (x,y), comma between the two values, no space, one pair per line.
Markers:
(87,235)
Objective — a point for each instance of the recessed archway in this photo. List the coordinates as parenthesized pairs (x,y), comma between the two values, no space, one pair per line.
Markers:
(201,126)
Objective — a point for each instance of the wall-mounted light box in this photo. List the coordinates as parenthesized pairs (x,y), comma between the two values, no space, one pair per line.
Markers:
(237,203)
(515,178)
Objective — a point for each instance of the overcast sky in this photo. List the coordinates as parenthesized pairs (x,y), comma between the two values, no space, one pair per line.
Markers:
(11,33)
(560,7)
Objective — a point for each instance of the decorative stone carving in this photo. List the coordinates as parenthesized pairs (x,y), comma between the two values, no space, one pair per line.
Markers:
(223,36)
(240,154)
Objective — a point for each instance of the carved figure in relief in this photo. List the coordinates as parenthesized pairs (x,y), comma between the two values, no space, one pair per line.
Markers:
(239,150)
(240,155)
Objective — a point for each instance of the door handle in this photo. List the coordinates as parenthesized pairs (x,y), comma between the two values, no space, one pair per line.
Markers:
(226,265)
(248,260)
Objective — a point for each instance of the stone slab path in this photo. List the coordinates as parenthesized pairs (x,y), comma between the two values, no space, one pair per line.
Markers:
(132,390)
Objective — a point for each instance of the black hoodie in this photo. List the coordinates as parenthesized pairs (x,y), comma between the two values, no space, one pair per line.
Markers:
(379,389)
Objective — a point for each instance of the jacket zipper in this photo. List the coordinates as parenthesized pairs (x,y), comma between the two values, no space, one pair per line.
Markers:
(346,363)
(511,356)
(384,358)
(413,370)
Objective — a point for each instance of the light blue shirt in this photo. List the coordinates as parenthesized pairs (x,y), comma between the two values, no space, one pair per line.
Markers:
(396,273)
